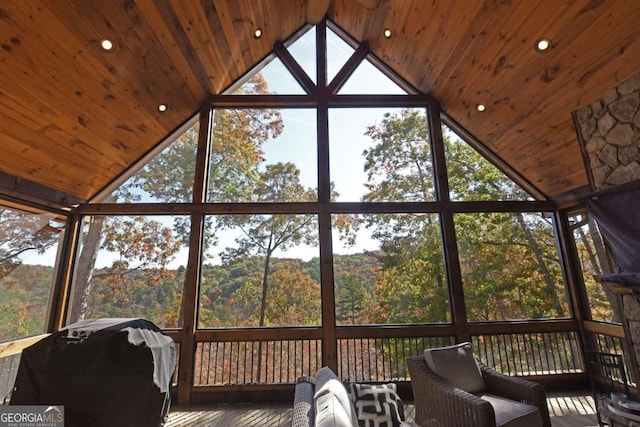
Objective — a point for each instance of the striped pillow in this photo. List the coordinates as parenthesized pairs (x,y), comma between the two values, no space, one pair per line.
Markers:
(376,405)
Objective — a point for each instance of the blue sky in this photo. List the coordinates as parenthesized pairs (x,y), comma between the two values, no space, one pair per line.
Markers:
(346,126)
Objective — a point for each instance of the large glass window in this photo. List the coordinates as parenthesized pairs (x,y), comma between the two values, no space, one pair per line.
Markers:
(389,268)
(166,178)
(472,177)
(380,155)
(260,265)
(303,51)
(29,240)
(510,266)
(262,155)
(260,270)
(131,266)
(274,78)
(593,262)
(338,53)
(361,78)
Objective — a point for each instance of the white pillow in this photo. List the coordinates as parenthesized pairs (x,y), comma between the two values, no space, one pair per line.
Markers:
(330,413)
(456,365)
(328,382)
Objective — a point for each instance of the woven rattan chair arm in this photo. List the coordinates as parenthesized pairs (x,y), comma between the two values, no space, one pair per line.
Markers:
(517,389)
(439,404)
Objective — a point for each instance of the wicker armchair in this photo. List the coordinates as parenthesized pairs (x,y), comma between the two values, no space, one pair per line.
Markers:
(440,404)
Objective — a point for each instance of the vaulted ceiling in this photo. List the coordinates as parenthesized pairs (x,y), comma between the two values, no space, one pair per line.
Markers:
(74,117)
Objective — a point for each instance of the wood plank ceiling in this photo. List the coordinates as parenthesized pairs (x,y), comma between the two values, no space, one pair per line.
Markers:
(73,117)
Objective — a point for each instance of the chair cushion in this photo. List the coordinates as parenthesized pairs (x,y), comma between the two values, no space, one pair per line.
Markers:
(330,413)
(456,365)
(510,413)
(327,382)
(376,405)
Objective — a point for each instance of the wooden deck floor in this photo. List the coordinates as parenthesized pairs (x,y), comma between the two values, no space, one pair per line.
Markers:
(566,409)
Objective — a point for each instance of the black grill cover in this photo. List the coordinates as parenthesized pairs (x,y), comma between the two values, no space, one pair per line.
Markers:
(106,373)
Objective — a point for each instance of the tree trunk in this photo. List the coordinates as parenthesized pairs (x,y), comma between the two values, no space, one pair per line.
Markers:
(550,284)
(601,252)
(605,265)
(265,287)
(84,269)
(263,307)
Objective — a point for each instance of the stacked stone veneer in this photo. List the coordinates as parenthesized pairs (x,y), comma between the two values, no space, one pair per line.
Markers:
(610,131)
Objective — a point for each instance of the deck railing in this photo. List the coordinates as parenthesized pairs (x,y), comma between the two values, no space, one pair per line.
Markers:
(607,343)
(256,362)
(10,353)
(377,355)
(276,357)
(527,354)
(381,359)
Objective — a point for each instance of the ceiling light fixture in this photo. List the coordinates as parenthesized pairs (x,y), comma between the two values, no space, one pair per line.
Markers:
(387,33)
(162,108)
(543,44)
(257,33)
(107,44)
(480,107)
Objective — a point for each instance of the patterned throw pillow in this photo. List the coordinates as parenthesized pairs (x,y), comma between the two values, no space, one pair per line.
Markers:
(376,404)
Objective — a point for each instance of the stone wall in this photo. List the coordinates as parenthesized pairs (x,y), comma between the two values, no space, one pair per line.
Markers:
(610,131)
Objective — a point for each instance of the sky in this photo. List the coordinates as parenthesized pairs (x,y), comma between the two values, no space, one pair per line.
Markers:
(346,126)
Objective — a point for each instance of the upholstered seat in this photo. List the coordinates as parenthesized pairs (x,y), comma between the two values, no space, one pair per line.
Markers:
(450,388)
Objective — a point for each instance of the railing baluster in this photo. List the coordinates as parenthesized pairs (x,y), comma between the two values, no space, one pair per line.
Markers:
(376,359)
(547,349)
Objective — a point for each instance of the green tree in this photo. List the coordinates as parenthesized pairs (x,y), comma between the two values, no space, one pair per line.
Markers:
(21,232)
(501,270)
(354,299)
(24,298)
(399,167)
(25,288)
(502,254)
(496,286)
(262,235)
(293,296)
(355,277)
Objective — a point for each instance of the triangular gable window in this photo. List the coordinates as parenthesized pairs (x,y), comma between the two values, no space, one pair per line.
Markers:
(367,79)
(277,78)
(303,51)
(167,177)
(338,52)
(472,177)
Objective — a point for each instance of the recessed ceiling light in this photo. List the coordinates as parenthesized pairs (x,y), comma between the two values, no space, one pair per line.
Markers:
(543,44)
(162,108)
(257,33)
(480,107)
(107,44)
(387,33)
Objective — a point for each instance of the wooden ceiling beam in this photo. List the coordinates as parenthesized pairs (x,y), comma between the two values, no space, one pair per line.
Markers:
(24,189)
